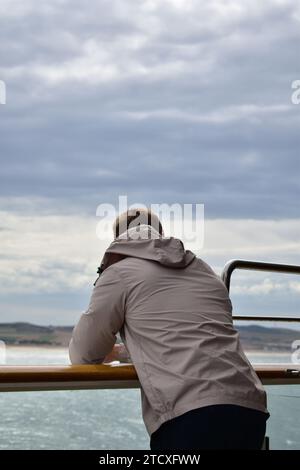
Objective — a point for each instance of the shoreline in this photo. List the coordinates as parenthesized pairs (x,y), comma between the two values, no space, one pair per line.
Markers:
(255,352)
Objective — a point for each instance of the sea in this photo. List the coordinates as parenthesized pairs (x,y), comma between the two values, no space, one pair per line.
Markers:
(112,419)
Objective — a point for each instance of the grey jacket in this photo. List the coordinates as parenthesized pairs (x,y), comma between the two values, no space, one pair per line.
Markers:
(174,316)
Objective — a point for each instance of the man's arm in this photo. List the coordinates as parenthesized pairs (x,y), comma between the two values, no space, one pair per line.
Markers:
(94,335)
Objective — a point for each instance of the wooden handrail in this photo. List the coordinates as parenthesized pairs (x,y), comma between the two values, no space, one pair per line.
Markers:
(103,376)
(64,377)
(53,373)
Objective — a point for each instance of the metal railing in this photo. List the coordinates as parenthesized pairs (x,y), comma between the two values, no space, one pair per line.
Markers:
(29,378)
(103,376)
(235,264)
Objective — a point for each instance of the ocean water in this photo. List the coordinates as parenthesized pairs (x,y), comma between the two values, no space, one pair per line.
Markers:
(111,419)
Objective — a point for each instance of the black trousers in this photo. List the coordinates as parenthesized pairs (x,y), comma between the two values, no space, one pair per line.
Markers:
(212,427)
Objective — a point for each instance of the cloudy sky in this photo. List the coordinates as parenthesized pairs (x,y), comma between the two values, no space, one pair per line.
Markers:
(165,101)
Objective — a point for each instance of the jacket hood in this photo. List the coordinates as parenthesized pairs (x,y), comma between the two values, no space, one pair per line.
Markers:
(146,243)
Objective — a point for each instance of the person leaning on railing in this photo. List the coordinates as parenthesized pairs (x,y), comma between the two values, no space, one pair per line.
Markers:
(174,316)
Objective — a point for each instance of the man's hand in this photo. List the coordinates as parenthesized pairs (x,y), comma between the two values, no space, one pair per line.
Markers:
(118,353)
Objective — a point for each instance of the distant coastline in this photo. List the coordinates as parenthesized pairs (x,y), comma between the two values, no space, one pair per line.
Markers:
(255,338)
(28,334)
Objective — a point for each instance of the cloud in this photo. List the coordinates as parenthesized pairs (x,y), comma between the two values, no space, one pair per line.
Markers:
(161,100)
(167,101)
(48,253)
(61,253)
(49,261)
(266,287)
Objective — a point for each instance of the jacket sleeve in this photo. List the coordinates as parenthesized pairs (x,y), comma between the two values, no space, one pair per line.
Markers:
(95,334)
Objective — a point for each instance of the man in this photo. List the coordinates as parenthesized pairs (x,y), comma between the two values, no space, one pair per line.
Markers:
(174,315)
